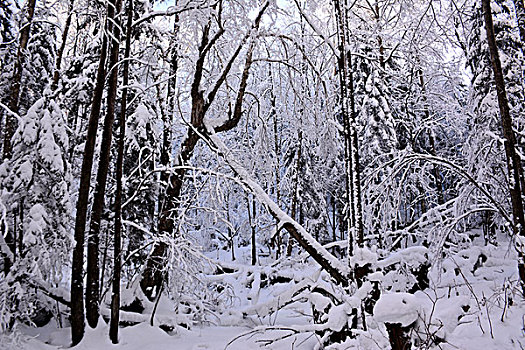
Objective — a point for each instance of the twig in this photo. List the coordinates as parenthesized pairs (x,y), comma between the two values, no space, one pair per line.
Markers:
(488,316)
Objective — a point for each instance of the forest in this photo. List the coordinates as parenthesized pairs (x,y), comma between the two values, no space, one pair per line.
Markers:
(262,174)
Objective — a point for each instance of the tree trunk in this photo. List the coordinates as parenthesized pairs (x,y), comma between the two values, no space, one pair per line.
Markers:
(92,281)
(115,296)
(357,211)
(77,276)
(344,113)
(60,54)
(513,162)
(168,117)
(520,18)
(326,260)
(398,336)
(10,122)
(293,210)
(353,182)
(276,147)
(251,221)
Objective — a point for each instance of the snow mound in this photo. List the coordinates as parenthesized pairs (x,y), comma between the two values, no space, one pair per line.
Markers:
(400,308)
(362,257)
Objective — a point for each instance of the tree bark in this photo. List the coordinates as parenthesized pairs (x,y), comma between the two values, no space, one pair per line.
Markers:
(77,276)
(168,117)
(252,223)
(353,182)
(14,98)
(398,336)
(326,260)
(117,259)
(92,281)
(513,161)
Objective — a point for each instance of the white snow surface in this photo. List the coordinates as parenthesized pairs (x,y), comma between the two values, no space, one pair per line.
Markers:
(468,306)
(400,308)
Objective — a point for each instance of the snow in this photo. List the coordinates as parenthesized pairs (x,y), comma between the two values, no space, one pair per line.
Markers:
(431,268)
(25,174)
(459,313)
(146,337)
(402,308)
(263,197)
(362,257)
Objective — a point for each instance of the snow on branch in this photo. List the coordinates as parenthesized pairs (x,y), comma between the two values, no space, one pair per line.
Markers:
(328,262)
(175,10)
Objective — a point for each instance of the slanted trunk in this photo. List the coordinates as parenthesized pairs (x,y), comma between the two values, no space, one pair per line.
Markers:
(326,260)
(168,117)
(167,202)
(154,274)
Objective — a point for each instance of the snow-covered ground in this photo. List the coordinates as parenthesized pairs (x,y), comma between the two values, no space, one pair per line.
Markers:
(473,302)
(145,337)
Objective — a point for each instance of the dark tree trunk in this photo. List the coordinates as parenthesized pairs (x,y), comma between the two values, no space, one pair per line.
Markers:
(513,161)
(520,18)
(77,275)
(92,281)
(357,211)
(353,181)
(153,275)
(168,117)
(344,112)
(398,336)
(77,285)
(14,98)
(60,54)
(115,296)
(253,226)
(276,146)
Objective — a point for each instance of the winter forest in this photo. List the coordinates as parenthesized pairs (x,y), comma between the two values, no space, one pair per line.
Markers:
(262,174)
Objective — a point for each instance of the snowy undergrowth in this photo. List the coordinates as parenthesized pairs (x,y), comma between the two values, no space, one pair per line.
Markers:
(472,301)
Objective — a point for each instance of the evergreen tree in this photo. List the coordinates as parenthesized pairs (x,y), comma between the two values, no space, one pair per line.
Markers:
(36,182)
